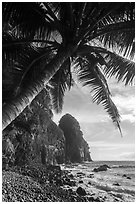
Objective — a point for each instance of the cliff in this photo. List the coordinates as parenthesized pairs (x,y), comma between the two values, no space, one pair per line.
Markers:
(33,136)
(76,148)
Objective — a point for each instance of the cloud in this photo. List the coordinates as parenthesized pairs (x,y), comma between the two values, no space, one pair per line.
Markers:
(127,156)
(124,103)
(99,131)
(120,88)
(109,151)
(129,117)
(104,144)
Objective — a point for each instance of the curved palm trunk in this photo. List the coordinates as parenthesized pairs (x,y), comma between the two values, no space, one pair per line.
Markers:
(11,110)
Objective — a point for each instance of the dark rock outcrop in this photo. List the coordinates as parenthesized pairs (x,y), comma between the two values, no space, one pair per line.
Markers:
(116,184)
(33,136)
(101,168)
(76,148)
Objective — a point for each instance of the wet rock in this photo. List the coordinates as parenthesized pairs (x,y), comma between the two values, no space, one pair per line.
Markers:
(81,191)
(90,199)
(91,176)
(71,176)
(128,177)
(101,168)
(80,181)
(124,175)
(72,183)
(116,184)
(70,190)
(80,174)
(97,199)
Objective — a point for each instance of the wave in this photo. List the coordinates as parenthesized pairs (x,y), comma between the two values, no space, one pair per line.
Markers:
(122,166)
(114,189)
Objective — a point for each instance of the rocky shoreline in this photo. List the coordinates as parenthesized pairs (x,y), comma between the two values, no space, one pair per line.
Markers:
(40,184)
(37,183)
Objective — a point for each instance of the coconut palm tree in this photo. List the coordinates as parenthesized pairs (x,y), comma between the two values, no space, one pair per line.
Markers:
(44,42)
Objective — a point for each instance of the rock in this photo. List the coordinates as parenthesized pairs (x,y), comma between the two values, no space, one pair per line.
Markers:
(67,179)
(116,184)
(81,191)
(70,190)
(59,182)
(80,181)
(72,183)
(97,200)
(53,168)
(91,176)
(71,176)
(90,199)
(74,138)
(124,175)
(101,168)
(80,173)
(95,170)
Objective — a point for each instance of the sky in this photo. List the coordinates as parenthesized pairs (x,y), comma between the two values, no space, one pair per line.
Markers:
(103,137)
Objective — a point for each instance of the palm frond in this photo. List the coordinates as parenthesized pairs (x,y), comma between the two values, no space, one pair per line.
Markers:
(89,73)
(28,19)
(25,69)
(113,25)
(123,69)
(114,65)
(120,37)
(61,82)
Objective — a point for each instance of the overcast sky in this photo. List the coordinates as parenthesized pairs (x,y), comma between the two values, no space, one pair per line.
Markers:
(102,136)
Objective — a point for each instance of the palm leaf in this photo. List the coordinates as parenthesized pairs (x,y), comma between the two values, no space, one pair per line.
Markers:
(114,65)
(119,37)
(112,24)
(25,69)
(28,19)
(121,68)
(61,82)
(89,74)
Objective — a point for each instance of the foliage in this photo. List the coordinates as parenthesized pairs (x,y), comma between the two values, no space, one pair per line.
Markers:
(97,37)
(31,132)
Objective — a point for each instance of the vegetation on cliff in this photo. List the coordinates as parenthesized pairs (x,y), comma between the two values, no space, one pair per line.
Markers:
(33,136)
(76,148)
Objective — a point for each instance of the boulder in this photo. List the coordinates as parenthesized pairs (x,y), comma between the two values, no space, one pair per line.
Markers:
(128,177)
(116,184)
(71,176)
(80,173)
(80,181)
(124,175)
(81,191)
(91,176)
(101,168)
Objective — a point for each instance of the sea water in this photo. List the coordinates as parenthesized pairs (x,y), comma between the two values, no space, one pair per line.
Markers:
(118,181)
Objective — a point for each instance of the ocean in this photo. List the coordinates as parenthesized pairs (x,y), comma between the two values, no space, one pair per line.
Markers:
(115,184)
